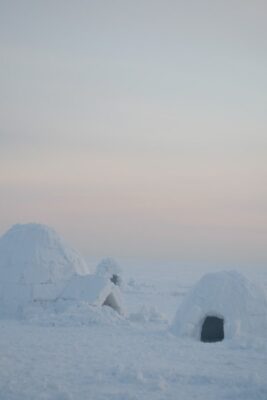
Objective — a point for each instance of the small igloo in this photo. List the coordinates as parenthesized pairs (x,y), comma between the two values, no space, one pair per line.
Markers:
(222,305)
(35,265)
(110,269)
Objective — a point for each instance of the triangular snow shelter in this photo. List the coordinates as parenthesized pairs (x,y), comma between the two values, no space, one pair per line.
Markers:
(94,290)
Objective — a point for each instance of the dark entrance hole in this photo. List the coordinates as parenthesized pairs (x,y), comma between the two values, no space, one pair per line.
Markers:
(212,330)
(115,279)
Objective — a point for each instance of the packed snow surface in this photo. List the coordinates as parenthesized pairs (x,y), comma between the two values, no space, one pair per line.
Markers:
(92,353)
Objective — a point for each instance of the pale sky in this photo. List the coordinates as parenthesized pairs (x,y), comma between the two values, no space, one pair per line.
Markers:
(137,128)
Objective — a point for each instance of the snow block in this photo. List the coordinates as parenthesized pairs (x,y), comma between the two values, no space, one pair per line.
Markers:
(94,290)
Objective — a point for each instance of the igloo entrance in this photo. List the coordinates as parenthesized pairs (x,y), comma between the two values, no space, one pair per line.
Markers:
(112,302)
(212,329)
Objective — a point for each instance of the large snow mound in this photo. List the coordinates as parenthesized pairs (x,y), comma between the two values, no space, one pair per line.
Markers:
(35,253)
(228,295)
(35,264)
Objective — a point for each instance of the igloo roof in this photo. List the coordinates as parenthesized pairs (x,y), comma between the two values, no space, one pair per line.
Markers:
(35,253)
(107,267)
(228,295)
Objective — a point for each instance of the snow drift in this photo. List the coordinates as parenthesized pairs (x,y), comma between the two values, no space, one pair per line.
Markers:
(228,296)
(35,265)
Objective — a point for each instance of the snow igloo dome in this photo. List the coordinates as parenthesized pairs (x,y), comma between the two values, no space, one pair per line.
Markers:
(35,264)
(110,269)
(222,305)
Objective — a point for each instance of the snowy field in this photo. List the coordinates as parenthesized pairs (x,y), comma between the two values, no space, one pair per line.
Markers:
(89,354)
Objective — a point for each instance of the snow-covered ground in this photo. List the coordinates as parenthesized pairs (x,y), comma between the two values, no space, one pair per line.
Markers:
(89,354)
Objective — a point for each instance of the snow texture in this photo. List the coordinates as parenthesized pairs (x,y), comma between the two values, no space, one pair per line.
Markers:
(78,351)
(71,348)
(227,295)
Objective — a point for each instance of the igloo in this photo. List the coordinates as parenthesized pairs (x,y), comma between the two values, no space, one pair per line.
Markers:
(35,265)
(222,305)
(109,268)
